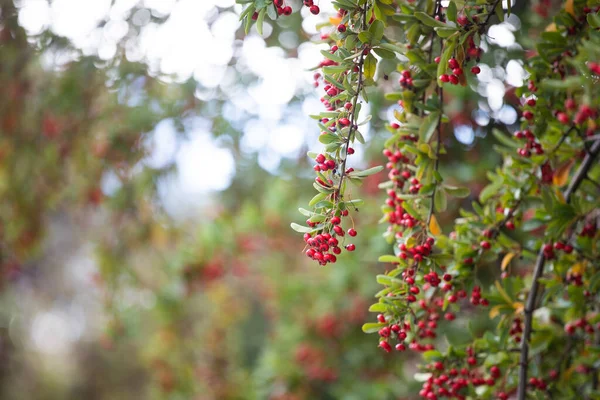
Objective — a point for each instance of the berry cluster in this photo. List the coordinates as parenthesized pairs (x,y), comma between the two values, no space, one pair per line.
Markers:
(324,246)
(451,378)
(530,144)
(282,9)
(457,72)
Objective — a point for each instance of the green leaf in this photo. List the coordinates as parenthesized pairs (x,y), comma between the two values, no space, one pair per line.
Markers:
(391,47)
(593,20)
(366,172)
(370,66)
(490,190)
(428,126)
(388,259)
(445,32)
(376,30)
(332,57)
(440,201)
(378,307)
(451,11)
(359,137)
(372,327)
(365,36)
(460,192)
(433,355)
(505,140)
(259,21)
(383,53)
(300,228)
(500,11)
(328,138)
(318,197)
(429,20)
(569,83)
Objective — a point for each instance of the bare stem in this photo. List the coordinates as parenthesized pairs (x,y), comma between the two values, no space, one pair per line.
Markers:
(354,115)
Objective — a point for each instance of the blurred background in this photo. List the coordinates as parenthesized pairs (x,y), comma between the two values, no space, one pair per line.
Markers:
(152,157)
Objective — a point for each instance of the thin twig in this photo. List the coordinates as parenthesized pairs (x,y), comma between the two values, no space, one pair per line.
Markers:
(354,113)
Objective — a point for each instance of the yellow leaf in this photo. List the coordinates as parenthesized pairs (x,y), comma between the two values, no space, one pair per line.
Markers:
(519,307)
(570,7)
(506,260)
(551,28)
(560,196)
(434,227)
(495,311)
(561,175)
(503,293)
(578,269)
(335,20)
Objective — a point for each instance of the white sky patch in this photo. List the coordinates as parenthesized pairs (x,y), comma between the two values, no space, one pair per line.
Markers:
(501,35)
(515,73)
(53,331)
(203,166)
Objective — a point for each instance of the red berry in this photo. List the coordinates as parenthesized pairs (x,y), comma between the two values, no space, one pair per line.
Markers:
(352,232)
(454,79)
(563,118)
(350,247)
(531,102)
(444,78)
(287,10)
(314,9)
(350,150)
(344,121)
(336,220)
(475,70)
(452,63)
(485,244)
(381,318)
(341,29)
(385,345)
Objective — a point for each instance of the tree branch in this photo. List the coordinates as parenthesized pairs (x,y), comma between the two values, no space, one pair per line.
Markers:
(581,173)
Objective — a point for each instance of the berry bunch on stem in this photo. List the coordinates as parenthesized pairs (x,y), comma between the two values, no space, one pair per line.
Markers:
(530,239)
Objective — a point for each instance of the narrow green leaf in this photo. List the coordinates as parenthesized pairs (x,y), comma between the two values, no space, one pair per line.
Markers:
(372,327)
(260,20)
(460,192)
(376,30)
(318,197)
(440,200)
(504,139)
(300,228)
(428,126)
(366,172)
(429,20)
(451,11)
(388,259)
(370,66)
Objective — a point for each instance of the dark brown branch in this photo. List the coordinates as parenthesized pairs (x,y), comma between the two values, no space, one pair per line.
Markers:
(581,173)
